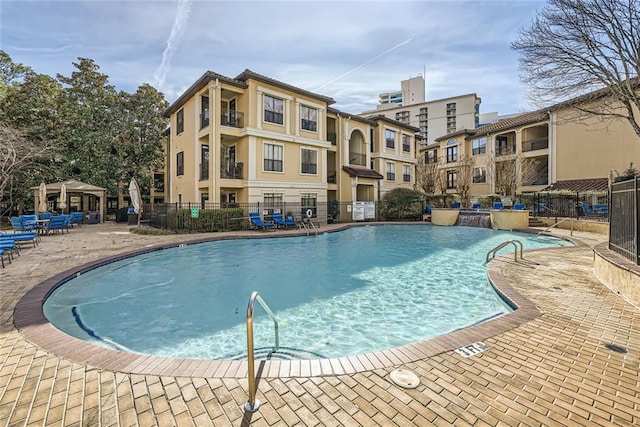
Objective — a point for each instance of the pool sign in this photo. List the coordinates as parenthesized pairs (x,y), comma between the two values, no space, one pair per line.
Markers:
(472,349)
(363,210)
(195,212)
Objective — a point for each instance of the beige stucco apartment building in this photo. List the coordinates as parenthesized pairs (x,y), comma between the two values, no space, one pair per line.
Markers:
(552,145)
(253,139)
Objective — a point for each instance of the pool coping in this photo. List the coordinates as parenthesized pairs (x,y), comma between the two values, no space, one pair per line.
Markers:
(29,319)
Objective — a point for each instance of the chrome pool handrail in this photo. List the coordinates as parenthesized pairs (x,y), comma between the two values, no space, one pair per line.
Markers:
(252,404)
(517,244)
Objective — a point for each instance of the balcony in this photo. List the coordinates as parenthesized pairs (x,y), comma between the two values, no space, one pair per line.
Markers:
(331,177)
(357,159)
(231,171)
(204,171)
(535,144)
(332,137)
(232,118)
(204,119)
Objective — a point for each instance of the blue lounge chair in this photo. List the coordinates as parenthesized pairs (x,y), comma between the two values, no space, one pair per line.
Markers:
(518,206)
(587,209)
(288,221)
(19,225)
(2,257)
(258,223)
(23,237)
(497,205)
(10,247)
(601,209)
(58,223)
(76,218)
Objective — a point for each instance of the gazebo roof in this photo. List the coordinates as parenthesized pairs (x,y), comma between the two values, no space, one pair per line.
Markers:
(72,186)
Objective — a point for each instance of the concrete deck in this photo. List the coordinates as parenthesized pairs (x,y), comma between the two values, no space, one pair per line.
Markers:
(551,368)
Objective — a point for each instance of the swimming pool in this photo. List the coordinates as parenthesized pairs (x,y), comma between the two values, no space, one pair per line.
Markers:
(359,290)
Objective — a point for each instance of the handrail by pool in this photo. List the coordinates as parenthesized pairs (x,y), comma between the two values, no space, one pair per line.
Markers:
(252,404)
(492,253)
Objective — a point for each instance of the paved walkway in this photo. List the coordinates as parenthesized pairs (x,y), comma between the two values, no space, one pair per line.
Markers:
(553,370)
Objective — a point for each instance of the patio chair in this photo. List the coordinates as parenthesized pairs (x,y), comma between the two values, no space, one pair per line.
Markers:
(2,257)
(16,224)
(10,247)
(57,223)
(587,209)
(258,223)
(23,237)
(76,218)
(497,205)
(601,209)
(286,222)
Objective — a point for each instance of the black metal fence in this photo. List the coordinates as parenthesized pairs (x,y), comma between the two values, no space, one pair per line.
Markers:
(212,217)
(592,205)
(624,223)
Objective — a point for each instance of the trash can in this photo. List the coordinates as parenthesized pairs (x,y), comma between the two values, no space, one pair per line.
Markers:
(133,217)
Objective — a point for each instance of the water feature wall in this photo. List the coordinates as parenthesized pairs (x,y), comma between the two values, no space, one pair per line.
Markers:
(474,219)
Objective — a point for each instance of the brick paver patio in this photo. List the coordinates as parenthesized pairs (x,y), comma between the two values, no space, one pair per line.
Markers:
(550,369)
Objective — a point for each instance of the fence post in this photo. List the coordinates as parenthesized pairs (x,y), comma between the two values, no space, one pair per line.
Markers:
(636,223)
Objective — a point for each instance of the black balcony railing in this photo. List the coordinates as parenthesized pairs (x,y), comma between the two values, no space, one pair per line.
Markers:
(232,118)
(204,119)
(357,159)
(391,176)
(231,171)
(204,171)
(331,177)
(535,144)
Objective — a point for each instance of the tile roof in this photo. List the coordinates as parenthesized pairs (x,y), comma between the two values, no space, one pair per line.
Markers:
(579,185)
(352,116)
(362,172)
(248,74)
(394,122)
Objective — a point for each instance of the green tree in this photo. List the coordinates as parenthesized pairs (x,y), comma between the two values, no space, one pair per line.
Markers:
(574,47)
(401,203)
(10,72)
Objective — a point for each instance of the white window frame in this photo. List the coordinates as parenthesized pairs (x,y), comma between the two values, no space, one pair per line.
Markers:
(387,139)
(312,111)
(266,97)
(481,146)
(391,170)
(406,171)
(302,150)
(264,157)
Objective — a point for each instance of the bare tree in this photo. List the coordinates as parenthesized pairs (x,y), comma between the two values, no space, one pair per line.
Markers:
(426,176)
(23,162)
(574,47)
(510,172)
(464,178)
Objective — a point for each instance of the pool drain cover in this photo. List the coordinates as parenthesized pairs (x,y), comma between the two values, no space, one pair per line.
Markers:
(404,378)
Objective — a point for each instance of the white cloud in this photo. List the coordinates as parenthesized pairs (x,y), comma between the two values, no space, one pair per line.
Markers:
(464,45)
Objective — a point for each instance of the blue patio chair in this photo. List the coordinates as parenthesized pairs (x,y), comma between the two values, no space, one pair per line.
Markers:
(428,209)
(455,205)
(44,215)
(601,209)
(259,223)
(2,257)
(30,222)
(497,205)
(76,218)
(57,223)
(518,206)
(286,222)
(586,208)
(16,224)
(23,237)
(10,247)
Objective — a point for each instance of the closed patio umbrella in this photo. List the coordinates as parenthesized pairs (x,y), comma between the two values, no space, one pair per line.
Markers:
(136,199)
(42,197)
(63,197)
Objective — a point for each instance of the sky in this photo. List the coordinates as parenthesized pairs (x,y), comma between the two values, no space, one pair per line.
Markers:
(350,51)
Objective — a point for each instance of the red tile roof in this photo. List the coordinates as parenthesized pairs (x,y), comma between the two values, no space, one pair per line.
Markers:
(580,185)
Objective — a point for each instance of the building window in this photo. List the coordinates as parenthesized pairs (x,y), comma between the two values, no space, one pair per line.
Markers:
(272,202)
(432,156)
(452,179)
(452,151)
(309,161)
(406,173)
(390,137)
(504,146)
(403,116)
(391,172)
(158,182)
(309,118)
(309,201)
(273,110)
(180,122)
(272,158)
(479,175)
(204,166)
(479,146)
(451,109)
(406,143)
(180,163)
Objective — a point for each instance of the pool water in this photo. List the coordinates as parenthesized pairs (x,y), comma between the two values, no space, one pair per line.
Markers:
(336,294)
